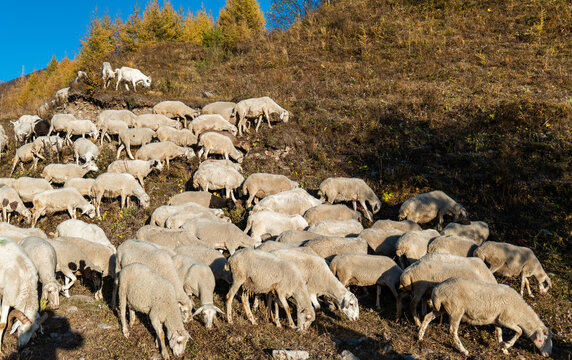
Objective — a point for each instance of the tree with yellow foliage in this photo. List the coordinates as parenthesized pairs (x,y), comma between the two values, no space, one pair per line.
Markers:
(195,27)
(239,20)
(159,24)
(99,42)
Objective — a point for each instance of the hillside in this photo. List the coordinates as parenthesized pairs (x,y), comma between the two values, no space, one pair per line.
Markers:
(473,98)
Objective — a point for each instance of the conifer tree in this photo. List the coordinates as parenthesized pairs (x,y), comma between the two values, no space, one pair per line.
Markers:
(239,20)
(98,43)
(195,27)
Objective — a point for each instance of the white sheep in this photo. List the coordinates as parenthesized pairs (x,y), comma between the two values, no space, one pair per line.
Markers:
(219,235)
(258,108)
(168,238)
(80,127)
(137,137)
(273,223)
(296,236)
(482,303)
(182,137)
(475,230)
(85,149)
(342,228)
(207,122)
(175,110)
(117,184)
(126,116)
(66,199)
(163,151)
(223,162)
(215,143)
(452,244)
(215,177)
(404,225)
(154,121)
(17,233)
(8,181)
(260,185)
(50,144)
(62,95)
(59,121)
(80,184)
(138,168)
(23,131)
(159,302)
(111,127)
(10,201)
(350,189)
(413,245)
(81,229)
(203,198)
(3,140)
(107,74)
(259,272)
(295,201)
(330,246)
(162,213)
(179,219)
(27,187)
(427,206)
(81,76)
(222,108)
(381,241)
(60,173)
(330,212)
(26,153)
(132,76)
(511,260)
(211,257)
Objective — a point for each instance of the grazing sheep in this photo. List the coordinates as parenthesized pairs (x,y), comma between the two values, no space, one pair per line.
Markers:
(204,123)
(482,303)
(222,162)
(107,74)
(85,149)
(330,212)
(50,144)
(27,187)
(90,232)
(213,258)
(41,128)
(291,202)
(51,201)
(273,223)
(381,241)
(260,185)
(330,246)
(219,235)
(296,236)
(132,76)
(511,260)
(138,168)
(413,245)
(271,245)
(452,244)
(350,189)
(239,144)
(111,127)
(137,137)
(59,121)
(10,201)
(26,153)
(177,220)
(259,272)
(367,270)
(163,151)
(154,121)
(62,96)
(126,116)
(80,127)
(215,177)
(60,173)
(162,213)
(117,184)
(203,198)
(23,131)
(475,230)
(404,225)
(341,228)
(175,110)
(427,206)
(80,184)
(183,137)
(257,108)
(222,108)
(17,233)
(215,143)
(168,238)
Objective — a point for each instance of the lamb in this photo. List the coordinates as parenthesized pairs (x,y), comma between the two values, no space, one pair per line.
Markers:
(26,153)
(204,123)
(258,108)
(18,284)
(296,236)
(126,116)
(203,198)
(273,223)
(27,187)
(413,245)
(138,168)
(290,202)
(168,238)
(86,150)
(239,144)
(219,235)
(60,173)
(111,127)
(164,150)
(482,303)
(260,272)
(175,110)
(223,162)
(51,201)
(159,303)
(321,282)
(90,232)
(107,74)
(62,95)
(162,213)
(404,225)
(381,241)
(425,207)
(183,137)
(133,76)
(330,212)
(80,127)
(59,121)
(50,144)
(452,244)
(222,108)
(154,121)
(10,201)
(260,185)
(216,143)
(350,189)
(198,280)
(117,184)
(217,177)
(475,230)
(83,186)
(511,260)
(138,137)
(213,258)
(17,233)
(337,228)
(329,246)
(44,258)
(366,270)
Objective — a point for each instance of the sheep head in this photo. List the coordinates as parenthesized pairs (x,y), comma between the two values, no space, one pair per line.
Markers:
(178,341)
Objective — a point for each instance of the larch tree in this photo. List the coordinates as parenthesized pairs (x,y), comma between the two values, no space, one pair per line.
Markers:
(239,20)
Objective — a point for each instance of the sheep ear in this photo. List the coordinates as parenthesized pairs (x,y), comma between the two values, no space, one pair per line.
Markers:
(5,202)
(199,310)
(219,310)
(14,205)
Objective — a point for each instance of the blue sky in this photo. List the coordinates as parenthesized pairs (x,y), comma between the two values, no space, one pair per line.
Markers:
(33,31)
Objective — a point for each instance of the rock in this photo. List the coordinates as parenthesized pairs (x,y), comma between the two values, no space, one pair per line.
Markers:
(354,342)
(104,326)
(290,354)
(71,309)
(347,355)
(82,298)
(208,94)
(409,357)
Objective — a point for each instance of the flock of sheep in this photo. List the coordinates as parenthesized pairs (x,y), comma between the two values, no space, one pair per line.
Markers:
(294,245)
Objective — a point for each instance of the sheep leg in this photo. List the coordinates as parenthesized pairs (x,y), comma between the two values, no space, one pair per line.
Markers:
(160,336)
(36,216)
(71,211)
(368,215)
(414,302)
(16,161)
(97,203)
(284,303)
(510,343)
(69,280)
(34,164)
(140,178)
(122,201)
(122,308)
(119,149)
(455,320)
(3,321)
(246,305)
(267,115)
(230,296)
(276,314)
(132,318)
(377,296)
(524,281)
(232,195)
(498,332)
(314,300)
(426,320)
(167,160)
(258,122)
(128,149)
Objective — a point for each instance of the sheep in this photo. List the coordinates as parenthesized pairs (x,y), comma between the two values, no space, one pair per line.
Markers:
(413,245)
(330,246)
(59,121)
(168,238)
(26,153)
(273,223)
(111,127)
(165,150)
(81,76)
(220,235)
(321,281)
(257,108)
(452,244)
(23,131)
(85,149)
(131,251)
(330,212)
(366,270)
(381,241)
(50,144)
(162,213)
(10,201)
(62,96)
(183,137)
(216,143)
(511,260)
(41,128)
(138,168)
(159,303)
(8,181)
(3,140)
(175,110)
(51,201)
(213,258)
(222,108)
(203,198)
(90,232)
(260,272)
(154,121)
(60,173)
(17,233)
(290,202)
(350,189)
(117,184)
(80,127)
(260,185)
(43,256)
(223,162)
(217,177)
(18,287)
(296,236)
(133,76)
(404,225)
(138,137)
(26,119)
(126,116)
(239,144)
(482,303)
(198,280)
(207,122)
(475,230)
(70,259)
(107,74)
(178,219)
(427,206)
(337,228)
(83,186)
